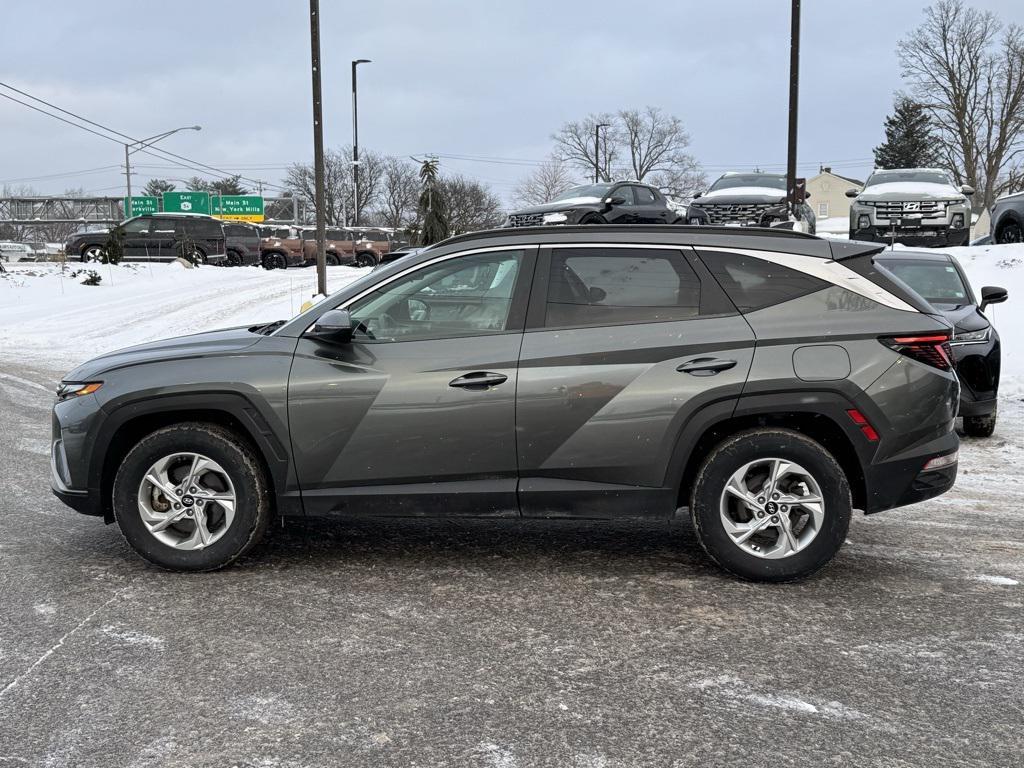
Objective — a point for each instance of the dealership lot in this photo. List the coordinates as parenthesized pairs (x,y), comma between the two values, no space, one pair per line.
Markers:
(503,644)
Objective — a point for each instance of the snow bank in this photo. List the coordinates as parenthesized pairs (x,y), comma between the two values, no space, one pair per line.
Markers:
(49,317)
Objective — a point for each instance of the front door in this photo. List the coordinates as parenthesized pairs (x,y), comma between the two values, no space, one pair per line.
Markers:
(623,212)
(625,347)
(135,233)
(416,415)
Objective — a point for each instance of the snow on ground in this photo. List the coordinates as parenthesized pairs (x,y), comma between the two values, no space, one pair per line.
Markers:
(48,317)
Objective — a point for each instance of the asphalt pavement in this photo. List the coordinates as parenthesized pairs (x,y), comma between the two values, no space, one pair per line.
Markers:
(482,643)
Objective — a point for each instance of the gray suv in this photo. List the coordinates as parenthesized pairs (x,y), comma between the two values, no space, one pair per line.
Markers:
(768,381)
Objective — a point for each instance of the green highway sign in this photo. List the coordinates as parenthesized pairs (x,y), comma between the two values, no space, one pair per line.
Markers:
(140,206)
(187,202)
(237,207)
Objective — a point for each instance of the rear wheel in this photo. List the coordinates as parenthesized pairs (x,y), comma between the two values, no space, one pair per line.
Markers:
(93,253)
(332,260)
(980,426)
(234,259)
(274,261)
(191,497)
(771,505)
(1010,233)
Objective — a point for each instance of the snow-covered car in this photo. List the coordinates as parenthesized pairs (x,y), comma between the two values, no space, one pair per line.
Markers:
(1008,219)
(753,199)
(912,206)
(10,251)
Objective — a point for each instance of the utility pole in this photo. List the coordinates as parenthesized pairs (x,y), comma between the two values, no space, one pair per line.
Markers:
(128,179)
(142,144)
(597,150)
(794,93)
(355,141)
(318,149)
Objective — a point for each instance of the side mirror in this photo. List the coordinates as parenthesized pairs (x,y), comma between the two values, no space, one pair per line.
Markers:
(615,200)
(597,295)
(967,189)
(807,195)
(991,294)
(699,194)
(852,192)
(334,325)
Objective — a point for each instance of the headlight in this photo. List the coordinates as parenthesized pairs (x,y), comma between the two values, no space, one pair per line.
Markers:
(555,218)
(865,203)
(972,337)
(77,389)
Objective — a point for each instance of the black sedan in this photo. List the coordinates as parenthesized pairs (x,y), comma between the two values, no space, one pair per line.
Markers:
(940,279)
(616,203)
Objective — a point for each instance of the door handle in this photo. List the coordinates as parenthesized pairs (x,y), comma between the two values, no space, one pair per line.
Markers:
(706,366)
(479,380)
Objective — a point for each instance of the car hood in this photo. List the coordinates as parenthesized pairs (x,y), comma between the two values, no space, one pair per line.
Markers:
(910,190)
(197,345)
(559,205)
(743,195)
(965,318)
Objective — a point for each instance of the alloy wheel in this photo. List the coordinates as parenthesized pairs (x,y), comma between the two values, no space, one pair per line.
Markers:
(186,501)
(772,508)
(1011,233)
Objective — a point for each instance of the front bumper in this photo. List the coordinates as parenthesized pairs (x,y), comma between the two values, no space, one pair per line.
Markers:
(903,479)
(933,237)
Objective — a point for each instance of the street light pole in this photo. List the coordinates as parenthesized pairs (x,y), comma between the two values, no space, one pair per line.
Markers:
(794,93)
(142,144)
(355,139)
(597,150)
(318,149)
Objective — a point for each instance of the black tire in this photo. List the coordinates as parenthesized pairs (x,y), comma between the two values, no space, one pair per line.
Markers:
(234,259)
(332,260)
(592,218)
(366,259)
(198,257)
(92,253)
(274,261)
(731,455)
(981,426)
(239,460)
(1011,232)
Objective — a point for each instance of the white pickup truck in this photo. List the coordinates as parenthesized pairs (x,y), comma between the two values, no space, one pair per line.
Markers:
(912,206)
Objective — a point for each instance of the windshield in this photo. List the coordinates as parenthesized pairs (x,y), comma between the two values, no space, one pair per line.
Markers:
(935,281)
(587,190)
(749,180)
(928,177)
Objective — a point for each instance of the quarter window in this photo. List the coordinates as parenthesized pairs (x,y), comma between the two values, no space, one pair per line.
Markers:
(464,296)
(754,283)
(592,286)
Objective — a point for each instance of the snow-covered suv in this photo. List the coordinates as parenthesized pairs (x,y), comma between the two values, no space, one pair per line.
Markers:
(913,206)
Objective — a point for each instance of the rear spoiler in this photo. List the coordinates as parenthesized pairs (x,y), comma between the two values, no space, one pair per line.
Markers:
(843,250)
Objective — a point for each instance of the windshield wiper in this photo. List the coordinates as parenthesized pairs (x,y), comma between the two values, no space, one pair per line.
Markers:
(267,328)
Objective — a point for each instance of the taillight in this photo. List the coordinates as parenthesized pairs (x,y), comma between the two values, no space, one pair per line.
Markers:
(933,349)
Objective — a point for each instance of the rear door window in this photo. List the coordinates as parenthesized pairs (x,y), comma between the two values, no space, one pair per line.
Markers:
(644,196)
(594,286)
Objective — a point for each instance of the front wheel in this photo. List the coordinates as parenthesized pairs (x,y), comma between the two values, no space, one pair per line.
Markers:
(1009,233)
(365,259)
(592,218)
(191,497)
(980,426)
(771,505)
(93,253)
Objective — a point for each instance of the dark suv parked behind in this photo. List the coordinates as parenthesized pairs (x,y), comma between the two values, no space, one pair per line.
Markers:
(768,381)
(618,203)
(157,237)
(242,243)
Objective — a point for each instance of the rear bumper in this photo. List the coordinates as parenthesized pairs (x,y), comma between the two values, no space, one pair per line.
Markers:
(903,479)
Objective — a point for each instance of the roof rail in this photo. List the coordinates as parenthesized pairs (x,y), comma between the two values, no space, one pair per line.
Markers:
(662,228)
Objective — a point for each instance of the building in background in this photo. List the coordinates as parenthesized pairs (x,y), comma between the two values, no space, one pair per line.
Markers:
(829,201)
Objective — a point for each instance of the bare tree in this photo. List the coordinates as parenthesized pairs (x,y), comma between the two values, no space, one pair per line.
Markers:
(581,144)
(471,205)
(968,71)
(339,192)
(399,190)
(544,184)
(647,145)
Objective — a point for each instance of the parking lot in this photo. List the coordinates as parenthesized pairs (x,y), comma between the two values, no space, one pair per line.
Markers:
(502,643)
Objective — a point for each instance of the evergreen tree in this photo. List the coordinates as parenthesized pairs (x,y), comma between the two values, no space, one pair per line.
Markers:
(156,187)
(433,207)
(909,140)
(230,186)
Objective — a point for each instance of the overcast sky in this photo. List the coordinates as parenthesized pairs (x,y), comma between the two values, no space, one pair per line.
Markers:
(485,79)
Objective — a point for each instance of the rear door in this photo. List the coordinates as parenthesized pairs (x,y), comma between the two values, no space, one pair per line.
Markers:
(650,209)
(416,415)
(625,347)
